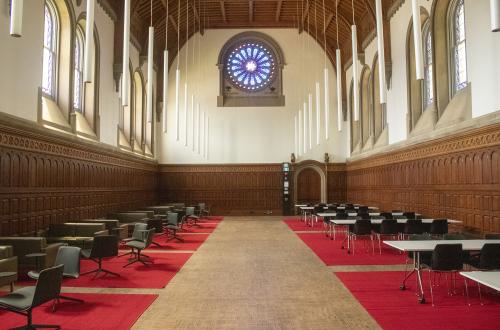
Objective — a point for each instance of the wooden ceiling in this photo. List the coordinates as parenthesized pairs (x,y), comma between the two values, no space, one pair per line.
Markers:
(306,15)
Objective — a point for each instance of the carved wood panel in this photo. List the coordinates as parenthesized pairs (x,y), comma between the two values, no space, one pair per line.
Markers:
(229,189)
(456,177)
(49,178)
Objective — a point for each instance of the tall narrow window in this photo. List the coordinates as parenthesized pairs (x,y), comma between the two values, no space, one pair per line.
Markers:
(428,88)
(78,71)
(51,26)
(458,46)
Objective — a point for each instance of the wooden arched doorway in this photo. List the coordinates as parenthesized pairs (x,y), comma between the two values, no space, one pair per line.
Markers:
(308,186)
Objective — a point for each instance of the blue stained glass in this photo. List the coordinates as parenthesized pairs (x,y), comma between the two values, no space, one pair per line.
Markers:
(249,66)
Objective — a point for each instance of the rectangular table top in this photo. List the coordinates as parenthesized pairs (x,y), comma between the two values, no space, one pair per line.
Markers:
(429,245)
(379,221)
(489,279)
(306,207)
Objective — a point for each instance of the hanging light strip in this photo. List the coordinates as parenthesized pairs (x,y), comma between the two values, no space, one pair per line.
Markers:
(299,137)
(89,42)
(165,75)
(304,142)
(310,109)
(126,53)
(417,40)
(151,40)
(16,18)
(186,105)
(338,60)
(207,136)
(198,130)
(495,15)
(318,112)
(355,72)
(381,52)
(325,79)
(192,120)
(202,123)
(177,73)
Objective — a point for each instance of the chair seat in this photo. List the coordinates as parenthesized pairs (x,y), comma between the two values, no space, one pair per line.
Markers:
(86,253)
(20,299)
(136,244)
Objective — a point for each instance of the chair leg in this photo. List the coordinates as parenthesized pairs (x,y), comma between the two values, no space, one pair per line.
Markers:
(480,296)
(30,324)
(432,291)
(467,291)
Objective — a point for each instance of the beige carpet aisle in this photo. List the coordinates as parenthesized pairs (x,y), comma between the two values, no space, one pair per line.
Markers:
(255,273)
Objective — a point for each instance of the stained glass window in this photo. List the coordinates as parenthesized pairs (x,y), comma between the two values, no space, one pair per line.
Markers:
(49,50)
(459,56)
(78,83)
(251,66)
(428,91)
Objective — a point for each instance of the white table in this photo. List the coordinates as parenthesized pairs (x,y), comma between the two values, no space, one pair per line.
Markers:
(490,279)
(418,247)
(306,210)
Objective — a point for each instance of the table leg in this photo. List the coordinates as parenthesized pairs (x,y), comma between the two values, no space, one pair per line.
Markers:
(421,298)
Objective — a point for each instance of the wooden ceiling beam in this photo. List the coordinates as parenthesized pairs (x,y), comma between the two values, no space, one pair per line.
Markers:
(279,4)
(223,11)
(198,20)
(370,6)
(305,13)
(328,22)
(174,24)
(250,11)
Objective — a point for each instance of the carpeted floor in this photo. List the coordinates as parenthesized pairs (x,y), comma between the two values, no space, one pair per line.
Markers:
(395,309)
(100,311)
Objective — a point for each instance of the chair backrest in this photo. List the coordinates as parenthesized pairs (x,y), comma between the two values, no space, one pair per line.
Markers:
(362,227)
(413,226)
(190,210)
(69,257)
(156,224)
(420,237)
(172,218)
(48,286)
(104,246)
(439,227)
(318,209)
(490,257)
(386,215)
(139,229)
(201,206)
(492,236)
(149,238)
(389,226)
(409,215)
(364,215)
(447,257)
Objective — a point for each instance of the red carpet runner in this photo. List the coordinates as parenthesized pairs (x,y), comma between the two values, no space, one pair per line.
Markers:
(392,308)
(100,311)
(331,254)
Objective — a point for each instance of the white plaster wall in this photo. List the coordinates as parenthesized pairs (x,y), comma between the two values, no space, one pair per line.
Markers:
(251,134)
(21,61)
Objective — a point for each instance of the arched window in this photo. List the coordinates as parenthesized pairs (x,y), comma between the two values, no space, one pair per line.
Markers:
(138,108)
(428,88)
(365,104)
(458,46)
(78,71)
(50,47)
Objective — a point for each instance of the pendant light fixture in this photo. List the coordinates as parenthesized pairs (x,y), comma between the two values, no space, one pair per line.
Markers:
(177,72)
(338,62)
(310,109)
(355,66)
(126,53)
(299,138)
(317,85)
(495,15)
(186,105)
(151,38)
(326,81)
(198,121)
(295,135)
(417,40)
(192,120)
(16,18)
(207,136)
(165,74)
(304,113)
(89,42)
(381,52)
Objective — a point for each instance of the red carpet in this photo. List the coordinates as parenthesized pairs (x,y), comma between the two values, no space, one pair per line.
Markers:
(392,308)
(100,311)
(296,225)
(155,276)
(202,227)
(191,242)
(330,252)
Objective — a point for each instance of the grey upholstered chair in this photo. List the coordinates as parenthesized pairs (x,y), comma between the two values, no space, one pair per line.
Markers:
(191,216)
(103,247)
(22,301)
(173,226)
(137,235)
(138,246)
